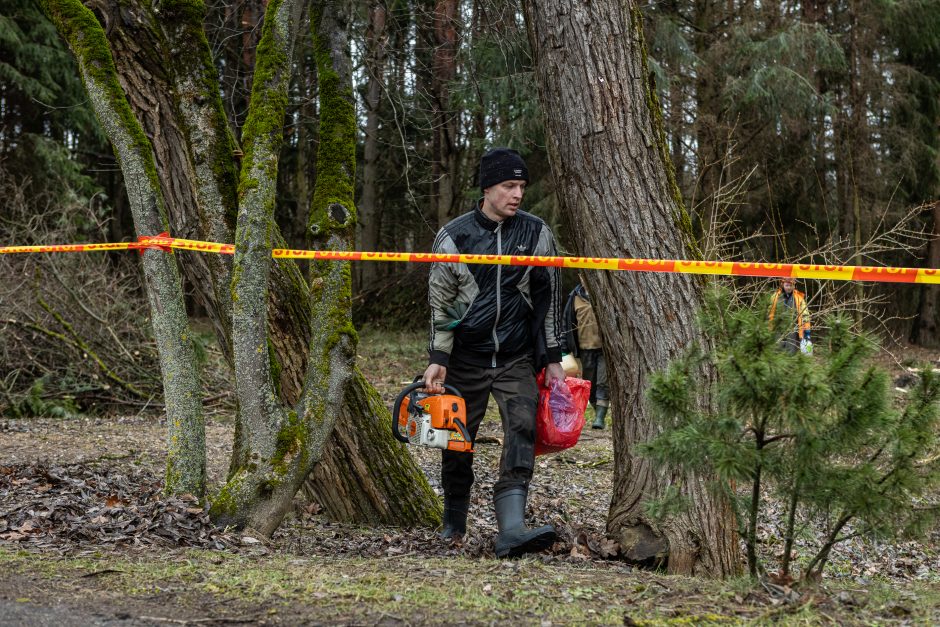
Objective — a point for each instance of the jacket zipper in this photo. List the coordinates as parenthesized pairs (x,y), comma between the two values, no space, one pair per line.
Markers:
(499,282)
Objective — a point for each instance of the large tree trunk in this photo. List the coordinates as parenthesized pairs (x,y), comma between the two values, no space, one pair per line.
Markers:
(332,225)
(609,155)
(186,454)
(383,485)
(193,146)
(197,164)
(272,441)
(276,447)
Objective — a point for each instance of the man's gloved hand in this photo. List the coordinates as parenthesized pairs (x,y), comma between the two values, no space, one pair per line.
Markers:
(455,314)
(806,346)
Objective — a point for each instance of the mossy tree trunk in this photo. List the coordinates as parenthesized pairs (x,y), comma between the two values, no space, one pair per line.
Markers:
(607,148)
(165,68)
(186,456)
(332,224)
(270,448)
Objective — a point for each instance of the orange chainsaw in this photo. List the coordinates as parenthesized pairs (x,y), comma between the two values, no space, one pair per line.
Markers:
(435,420)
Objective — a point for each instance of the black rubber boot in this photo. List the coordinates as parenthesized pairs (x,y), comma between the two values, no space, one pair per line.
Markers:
(600,413)
(514,537)
(455,517)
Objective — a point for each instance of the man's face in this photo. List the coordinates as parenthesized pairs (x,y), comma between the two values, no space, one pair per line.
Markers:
(502,200)
(788,287)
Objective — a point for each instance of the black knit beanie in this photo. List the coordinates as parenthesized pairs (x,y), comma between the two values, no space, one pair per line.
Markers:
(502,164)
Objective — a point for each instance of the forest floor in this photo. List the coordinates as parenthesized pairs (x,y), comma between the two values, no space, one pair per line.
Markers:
(86,539)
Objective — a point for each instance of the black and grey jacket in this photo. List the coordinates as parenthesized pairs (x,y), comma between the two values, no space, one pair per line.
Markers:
(510,310)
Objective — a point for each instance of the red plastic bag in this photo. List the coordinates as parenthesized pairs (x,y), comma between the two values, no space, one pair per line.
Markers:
(558,430)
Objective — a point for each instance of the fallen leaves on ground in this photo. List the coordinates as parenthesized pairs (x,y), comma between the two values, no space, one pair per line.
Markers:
(59,507)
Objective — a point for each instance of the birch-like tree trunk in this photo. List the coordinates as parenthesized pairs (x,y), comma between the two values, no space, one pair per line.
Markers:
(186,453)
(609,154)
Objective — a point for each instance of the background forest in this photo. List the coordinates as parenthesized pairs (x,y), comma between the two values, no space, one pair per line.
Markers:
(799,131)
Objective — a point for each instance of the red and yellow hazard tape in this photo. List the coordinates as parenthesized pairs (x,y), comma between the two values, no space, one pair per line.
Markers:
(677,266)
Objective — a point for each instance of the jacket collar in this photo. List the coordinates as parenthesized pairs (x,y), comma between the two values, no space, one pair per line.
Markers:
(484,221)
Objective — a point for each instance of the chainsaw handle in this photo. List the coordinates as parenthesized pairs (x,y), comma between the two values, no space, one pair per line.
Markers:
(396,407)
(463,431)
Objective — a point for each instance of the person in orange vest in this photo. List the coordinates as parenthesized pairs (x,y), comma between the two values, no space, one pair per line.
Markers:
(791,298)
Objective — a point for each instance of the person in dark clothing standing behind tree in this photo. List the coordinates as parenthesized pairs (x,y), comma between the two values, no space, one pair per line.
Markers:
(492,328)
(583,340)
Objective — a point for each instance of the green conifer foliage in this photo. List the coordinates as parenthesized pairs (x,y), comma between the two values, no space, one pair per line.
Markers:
(821,434)
(45,120)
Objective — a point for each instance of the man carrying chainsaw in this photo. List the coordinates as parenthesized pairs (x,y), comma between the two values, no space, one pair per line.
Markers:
(492,328)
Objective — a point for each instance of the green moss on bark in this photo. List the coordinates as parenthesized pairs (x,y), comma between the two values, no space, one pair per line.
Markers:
(228,502)
(265,121)
(87,39)
(291,441)
(422,506)
(194,61)
(332,208)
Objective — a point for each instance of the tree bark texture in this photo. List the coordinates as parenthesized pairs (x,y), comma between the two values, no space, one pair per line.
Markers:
(383,485)
(264,456)
(186,456)
(332,226)
(167,55)
(609,153)
(165,68)
(347,453)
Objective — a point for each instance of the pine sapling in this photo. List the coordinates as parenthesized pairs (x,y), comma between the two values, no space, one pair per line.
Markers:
(819,433)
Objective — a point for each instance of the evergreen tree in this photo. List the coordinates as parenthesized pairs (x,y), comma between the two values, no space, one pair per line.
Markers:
(820,433)
(45,119)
